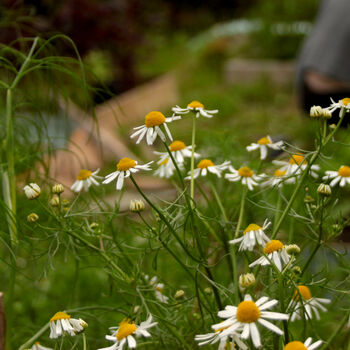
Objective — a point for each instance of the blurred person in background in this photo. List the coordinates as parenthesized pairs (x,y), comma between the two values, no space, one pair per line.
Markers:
(323,70)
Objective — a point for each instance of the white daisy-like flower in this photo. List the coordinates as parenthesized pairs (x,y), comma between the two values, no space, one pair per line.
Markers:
(38,346)
(244,318)
(307,345)
(296,164)
(277,179)
(125,167)
(224,341)
(158,289)
(179,151)
(341,104)
(62,323)
(196,107)
(166,168)
(32,190)
(151,129)
(85,179)
(125,332)
(342,176)
(263,144)
(306,305)
(205,166)
(275,252)
(252,235)
(245,175)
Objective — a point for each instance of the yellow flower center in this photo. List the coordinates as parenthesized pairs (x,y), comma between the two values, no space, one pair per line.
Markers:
(37,343)
(295,345)
(245,171)
(252,227)
(279,173)
(346,101)
(297,159)
(125,164)
(177,146)
(304,292)
(204,163)
(159,289)
(125,329)
(264,141)
(60,316)
(83,174)
(195,104)
(154,118)
(165,161)
(344,171)
(272,246)
(247,312)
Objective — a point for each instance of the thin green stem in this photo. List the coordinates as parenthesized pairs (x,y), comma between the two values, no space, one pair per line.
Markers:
(163,218)
(84,342)
(241,211)
(281,291)
(336,332)
(29,342)
(218,200)
(192,157)
(305,174)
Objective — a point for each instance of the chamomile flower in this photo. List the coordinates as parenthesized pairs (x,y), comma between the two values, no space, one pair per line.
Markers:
(125,332)
(263,144)
(85,179)
(165,169)
(151,129)
(196,107)
(252,235)
(179,151)
(275,252)
(296,164)
(341,104)
(158,289)
(215,337)
(245,175)
(62,323)
(125,167)
(303,304)
(205,166)
(298,345)
(342,176)
(277,179)
(244,318)
(38,346)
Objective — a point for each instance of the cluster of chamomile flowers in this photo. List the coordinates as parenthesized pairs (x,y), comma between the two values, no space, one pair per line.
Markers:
(62,324)
(156,125)
(241,322)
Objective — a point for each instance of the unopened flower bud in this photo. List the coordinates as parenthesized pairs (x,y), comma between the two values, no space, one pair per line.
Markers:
(292,249)
(57,189)
(247,280)
(296,270)
(32,191)
(208,290)
(179,294)
(65,202)
(332,126)
(324,190)
(308,199)
(32,217)
(136,309)
(137,205)
(55,201)
(316,111)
